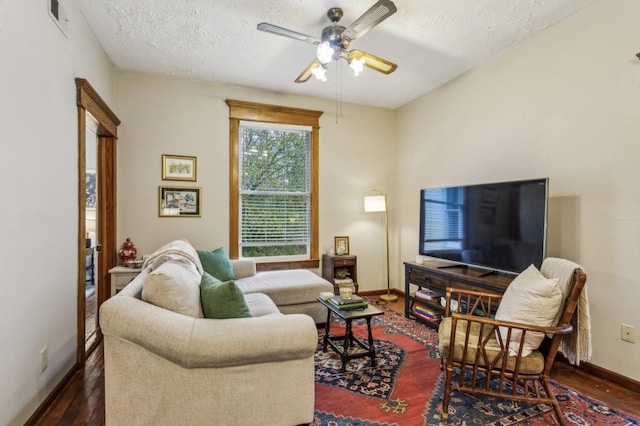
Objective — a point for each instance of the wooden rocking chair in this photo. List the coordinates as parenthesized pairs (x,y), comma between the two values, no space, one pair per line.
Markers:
(476,347)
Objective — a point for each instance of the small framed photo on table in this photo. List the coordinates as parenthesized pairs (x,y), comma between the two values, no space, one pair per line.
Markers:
(178,167)
(179,201)
(342,245)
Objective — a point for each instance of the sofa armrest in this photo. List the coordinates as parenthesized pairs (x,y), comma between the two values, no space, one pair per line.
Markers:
(243,268)
(208,343)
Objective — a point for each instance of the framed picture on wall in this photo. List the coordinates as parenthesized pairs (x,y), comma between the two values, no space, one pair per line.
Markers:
(178,167)
(342,245)
(179,201)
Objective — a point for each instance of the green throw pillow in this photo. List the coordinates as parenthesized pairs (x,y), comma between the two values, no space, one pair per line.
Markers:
(217,263)
(222,299)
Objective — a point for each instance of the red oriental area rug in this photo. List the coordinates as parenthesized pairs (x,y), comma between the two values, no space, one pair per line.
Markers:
(405,387)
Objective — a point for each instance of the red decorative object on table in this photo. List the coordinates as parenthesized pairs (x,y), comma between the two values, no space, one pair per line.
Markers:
(127,252)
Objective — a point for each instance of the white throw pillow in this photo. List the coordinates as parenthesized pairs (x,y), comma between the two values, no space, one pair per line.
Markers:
(531,298)
(175,286)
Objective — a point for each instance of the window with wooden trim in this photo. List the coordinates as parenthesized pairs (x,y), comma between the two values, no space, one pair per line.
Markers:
(274,184)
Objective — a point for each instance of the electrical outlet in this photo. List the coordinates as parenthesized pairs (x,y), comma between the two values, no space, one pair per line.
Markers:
(628,333)
(43,359)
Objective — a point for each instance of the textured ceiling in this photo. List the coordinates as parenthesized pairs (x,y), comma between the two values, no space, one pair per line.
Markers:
(432,41)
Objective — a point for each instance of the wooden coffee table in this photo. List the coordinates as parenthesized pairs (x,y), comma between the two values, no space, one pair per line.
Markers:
(352,347)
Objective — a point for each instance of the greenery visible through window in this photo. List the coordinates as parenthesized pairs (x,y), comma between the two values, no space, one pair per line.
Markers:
(274,191)
(90,189)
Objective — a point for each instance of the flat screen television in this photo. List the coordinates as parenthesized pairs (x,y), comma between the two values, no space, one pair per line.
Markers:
(498,226)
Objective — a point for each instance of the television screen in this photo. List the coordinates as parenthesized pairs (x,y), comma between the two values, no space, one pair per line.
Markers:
(499,226)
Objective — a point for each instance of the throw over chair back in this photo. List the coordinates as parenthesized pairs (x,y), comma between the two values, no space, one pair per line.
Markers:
(487,356)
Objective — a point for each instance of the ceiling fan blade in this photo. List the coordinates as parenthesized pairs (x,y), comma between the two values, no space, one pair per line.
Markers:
(373,62)
(274,29)
(307,73)
(372,17)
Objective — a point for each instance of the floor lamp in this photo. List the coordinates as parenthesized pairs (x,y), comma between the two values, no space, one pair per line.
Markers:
(378,203)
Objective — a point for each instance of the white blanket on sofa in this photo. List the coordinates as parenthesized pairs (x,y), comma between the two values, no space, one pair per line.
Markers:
(178,250)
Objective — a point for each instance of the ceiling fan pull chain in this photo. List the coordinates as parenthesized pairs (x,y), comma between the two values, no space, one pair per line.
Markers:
(339,71)
(338,91)
(338,85)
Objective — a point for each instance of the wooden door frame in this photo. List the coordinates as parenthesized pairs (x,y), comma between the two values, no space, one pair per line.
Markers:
(104,123)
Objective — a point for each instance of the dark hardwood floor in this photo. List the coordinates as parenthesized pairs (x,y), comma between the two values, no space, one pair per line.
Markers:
(82,401)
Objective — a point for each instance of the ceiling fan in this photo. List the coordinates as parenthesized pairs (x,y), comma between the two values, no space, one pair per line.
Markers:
(335,40)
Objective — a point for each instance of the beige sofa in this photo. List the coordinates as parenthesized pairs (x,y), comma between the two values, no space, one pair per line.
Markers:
(169,368)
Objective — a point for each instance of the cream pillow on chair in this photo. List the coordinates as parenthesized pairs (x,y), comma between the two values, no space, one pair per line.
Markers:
(531,299)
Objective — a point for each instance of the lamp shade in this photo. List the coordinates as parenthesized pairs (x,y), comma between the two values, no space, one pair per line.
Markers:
(375,203)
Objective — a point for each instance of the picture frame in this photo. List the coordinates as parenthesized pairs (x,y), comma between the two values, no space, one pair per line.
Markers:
(179,167)
(341,245)
(176,201)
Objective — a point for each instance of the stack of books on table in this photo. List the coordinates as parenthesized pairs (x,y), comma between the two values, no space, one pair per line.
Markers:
(326,295)
(354,302)
(428,294)
(427,313)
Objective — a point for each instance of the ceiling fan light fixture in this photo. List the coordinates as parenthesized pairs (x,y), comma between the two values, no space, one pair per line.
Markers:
(325,52)
(319,72)
(357,65)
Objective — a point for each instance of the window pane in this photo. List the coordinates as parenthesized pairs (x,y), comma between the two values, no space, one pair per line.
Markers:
(275,251)
(274,191)
(274,160)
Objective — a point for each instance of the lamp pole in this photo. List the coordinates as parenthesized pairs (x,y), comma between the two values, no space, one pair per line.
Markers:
(387,297)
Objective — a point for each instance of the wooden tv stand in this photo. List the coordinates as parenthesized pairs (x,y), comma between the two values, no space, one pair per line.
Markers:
(426,283)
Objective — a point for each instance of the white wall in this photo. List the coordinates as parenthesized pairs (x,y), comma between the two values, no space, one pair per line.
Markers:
(171,116)
(39,203)
(563,105)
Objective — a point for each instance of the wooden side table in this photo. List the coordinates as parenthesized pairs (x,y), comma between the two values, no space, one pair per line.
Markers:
(352,347)
(332,262)
(121,276)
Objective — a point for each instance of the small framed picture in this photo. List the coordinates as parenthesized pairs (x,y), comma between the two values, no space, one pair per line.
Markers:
(342,245)
(179,202)
(178,167)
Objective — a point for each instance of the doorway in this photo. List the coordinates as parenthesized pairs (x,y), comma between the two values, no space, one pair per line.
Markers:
(97,134)
(91,246)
